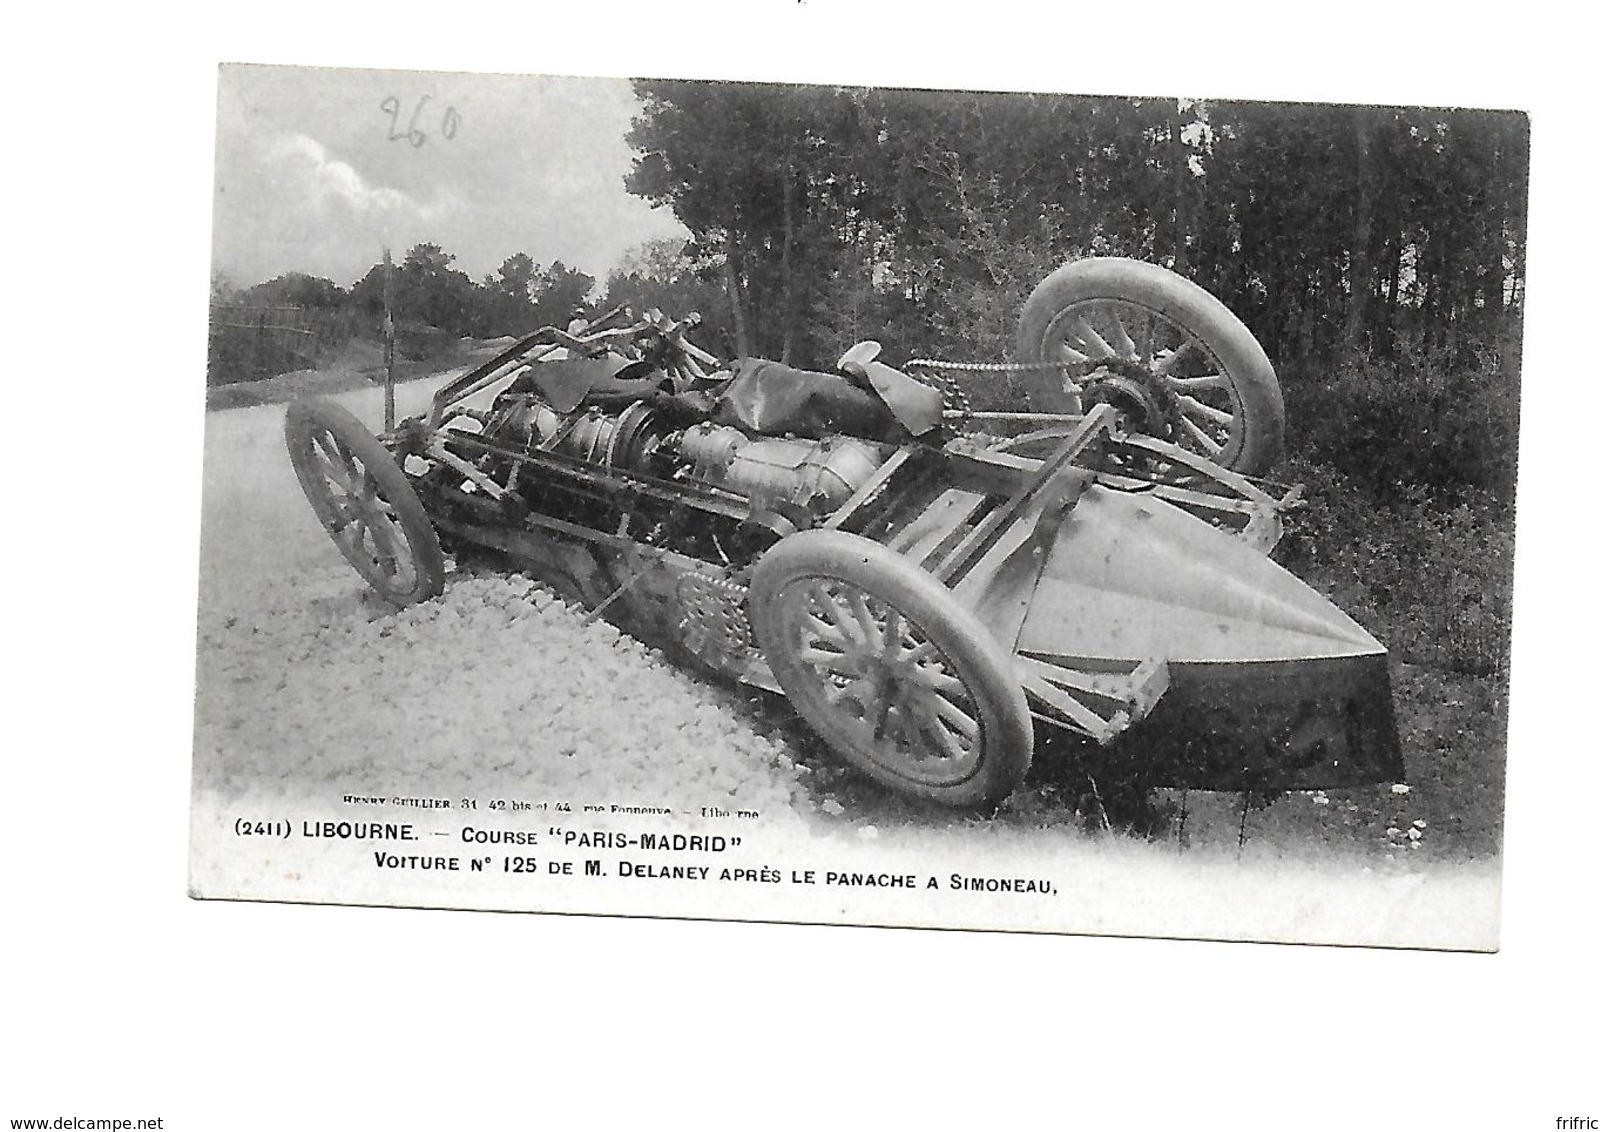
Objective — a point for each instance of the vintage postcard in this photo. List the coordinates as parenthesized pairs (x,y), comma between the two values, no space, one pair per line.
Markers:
(1053,512)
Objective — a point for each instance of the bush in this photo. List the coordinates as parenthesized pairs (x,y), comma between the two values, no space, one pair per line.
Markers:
(416,341)
(239,355)
(1410,468)
(1420,420)
(1433,581)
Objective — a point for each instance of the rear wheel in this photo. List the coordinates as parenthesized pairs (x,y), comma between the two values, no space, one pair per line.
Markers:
(884,664)
(364,502)
(1163,350)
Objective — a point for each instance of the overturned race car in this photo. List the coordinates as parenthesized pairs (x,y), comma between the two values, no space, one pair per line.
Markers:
(938,589)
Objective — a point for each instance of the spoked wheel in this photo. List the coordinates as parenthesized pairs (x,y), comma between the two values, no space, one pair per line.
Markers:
(1174,359)
(885,665)
(364,502)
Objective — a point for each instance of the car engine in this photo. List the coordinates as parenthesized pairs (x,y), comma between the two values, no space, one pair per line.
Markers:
(817,475)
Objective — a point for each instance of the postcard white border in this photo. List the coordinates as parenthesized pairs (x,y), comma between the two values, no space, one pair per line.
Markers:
(96,841)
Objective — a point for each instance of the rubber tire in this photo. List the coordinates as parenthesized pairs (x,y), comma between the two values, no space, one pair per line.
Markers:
(303,420)
(1256,445)
(975,657)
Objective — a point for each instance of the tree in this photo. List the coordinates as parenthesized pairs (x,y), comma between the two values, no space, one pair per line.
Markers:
(297,290)
(224,290)
(749,171)
(558,291)
(426,291)
(507,300)
(430,289)
(801,195)
(660,275)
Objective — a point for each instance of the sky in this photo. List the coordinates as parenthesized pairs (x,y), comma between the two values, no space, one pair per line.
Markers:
(316,171)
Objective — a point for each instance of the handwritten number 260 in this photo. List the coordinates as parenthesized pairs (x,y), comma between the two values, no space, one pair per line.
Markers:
(414,134)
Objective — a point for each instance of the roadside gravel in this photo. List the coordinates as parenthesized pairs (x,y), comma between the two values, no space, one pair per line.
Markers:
(496,689)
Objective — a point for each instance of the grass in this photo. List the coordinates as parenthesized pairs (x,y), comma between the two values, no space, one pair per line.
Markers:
(1450,809)
(352,370)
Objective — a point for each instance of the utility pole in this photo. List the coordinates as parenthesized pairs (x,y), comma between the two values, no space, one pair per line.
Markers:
(390,350)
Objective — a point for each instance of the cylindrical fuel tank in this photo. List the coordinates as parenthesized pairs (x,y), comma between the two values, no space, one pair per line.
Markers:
(819,474)
(832,470)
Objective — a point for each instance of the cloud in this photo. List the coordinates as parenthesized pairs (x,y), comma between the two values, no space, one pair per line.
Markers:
(326,179)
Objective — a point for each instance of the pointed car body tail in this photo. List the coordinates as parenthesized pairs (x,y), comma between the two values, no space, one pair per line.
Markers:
(1267,684)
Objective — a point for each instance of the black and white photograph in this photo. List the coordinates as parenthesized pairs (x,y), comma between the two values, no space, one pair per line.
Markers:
(770,563)
(860,505)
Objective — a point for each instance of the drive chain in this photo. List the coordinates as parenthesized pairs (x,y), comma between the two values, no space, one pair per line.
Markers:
(955,396)
(984,367)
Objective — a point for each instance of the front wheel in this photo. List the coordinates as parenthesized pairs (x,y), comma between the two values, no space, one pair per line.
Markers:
(1170,352)
(364,502)
(888,668)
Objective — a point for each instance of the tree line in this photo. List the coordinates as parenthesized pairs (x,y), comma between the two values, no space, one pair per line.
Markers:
(290,321)
(820,215)
(431,299)
(928,215)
